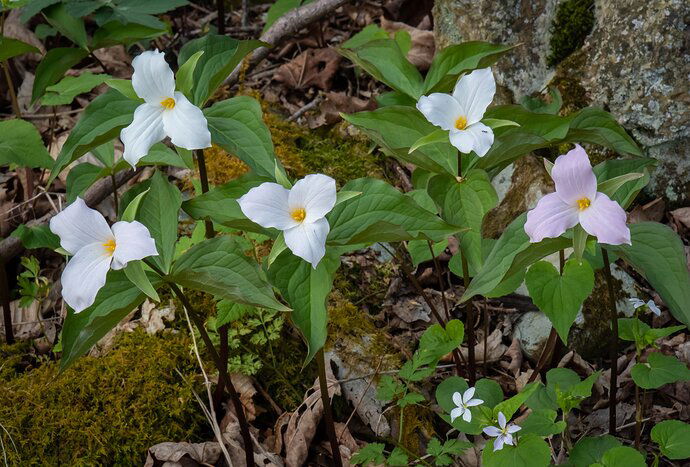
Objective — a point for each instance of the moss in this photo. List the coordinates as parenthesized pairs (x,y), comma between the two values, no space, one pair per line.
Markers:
(103,411)
(417,427)
(223,167)
(573,23)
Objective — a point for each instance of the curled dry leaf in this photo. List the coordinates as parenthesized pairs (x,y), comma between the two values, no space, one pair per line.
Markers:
(183,454)
(422,49)
(313,67)
(245,388)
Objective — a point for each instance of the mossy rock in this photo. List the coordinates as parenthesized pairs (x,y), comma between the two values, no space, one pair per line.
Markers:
(102,411)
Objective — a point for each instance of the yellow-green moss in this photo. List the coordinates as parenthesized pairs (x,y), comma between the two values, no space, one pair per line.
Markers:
(418,427)
(102,411)
(573,23)
(223,167)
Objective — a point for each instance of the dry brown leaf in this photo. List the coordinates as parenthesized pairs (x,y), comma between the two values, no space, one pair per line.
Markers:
(681,219)
(652,211)
(422,50)
(183,454)
(15,29)
(245,388)
(337,102)
(514,352)
(313,67)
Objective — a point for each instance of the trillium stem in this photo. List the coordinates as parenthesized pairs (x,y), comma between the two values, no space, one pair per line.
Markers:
(203,178)
(614,344)
(469,311)
(327,409)
(220,5)
(223,377)
(5,298)
(441,286)
(115,200)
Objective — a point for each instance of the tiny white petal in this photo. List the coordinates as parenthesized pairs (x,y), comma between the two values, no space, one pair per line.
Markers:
(477,137)
(467,396)
(508,439)
(132,241)
(308,240)
(475,92)
(84,275)
(512,428)
(316,194)
(474,402)
(457,399)
(78,226)
(440,109)
(501,420)
(492,431)
(153,80)
(498,443)
(186,125)
(653,308)
(267,205)
(467,416)
(145,130)
(456,412)
(636,302)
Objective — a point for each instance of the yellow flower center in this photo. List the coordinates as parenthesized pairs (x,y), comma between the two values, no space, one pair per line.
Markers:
(298,214)
(461,122)
(109,246)
(168,103)
(583,203)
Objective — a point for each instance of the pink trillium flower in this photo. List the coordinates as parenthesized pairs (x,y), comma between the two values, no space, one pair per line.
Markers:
(577,201)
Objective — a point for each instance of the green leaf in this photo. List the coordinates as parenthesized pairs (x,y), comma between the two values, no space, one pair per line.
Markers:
(498,122)
(237,126)
(384,60)
(560,296)
(124,87)
(81,177)
(69,87)
(538,105)
(657,253)
(465,203)
(610,186)
(219,266)
(419,250)
(659,370)
(278,9)
(509,406)
(632,329)
(13,48)
(382,213)
(220,205)
(613,168)
(437,341)
(531,451)
(485,389)
(129,11)
(370,33)
(135,273)
(306,290)
(130,212)
(279,246)
(590,450)
(397,128)
(397,457)
(623,456)
(394,98)
(69,26)
(593,125)
(100,122)
(22,144)
(115,33)
(542,423)
(185,75)
(436,136)
(159,211)
(114,301)
(452,61)
(229,312)
(221,55)
(53,67)
(39,236)
(673,438)
(372,453)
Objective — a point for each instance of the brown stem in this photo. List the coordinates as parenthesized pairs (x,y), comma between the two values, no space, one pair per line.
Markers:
(469,311)
(486,336)
(5,298)
(614,344)
(223,377)
(203,178)
(638,417)
(327,410)
(100,63)
(437,266)
(116,203)
(223,354)
(220,6)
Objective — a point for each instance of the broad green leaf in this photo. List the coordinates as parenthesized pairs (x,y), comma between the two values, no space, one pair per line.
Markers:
(560,296)
(137,276)
(622,456)
(124,87)
(185,75)
(221,55)
(452,61)
(220,205)
(220,267)
(306,290)
(384,60)
(613,168)
(397,128)
(100,122)
(593,125)
(278,9)
(657,253)
(13,48)
(372,453)
(437,136)
(531,451)
(69,87)
(465,203)
(39,236)
(370,33)
(81,177)
(22,144)
(538,105)
(237,126)
(34,7)
(549,127)
(498,122)
(610,186)
(130,212)
(659,370)
(116,33)
(673,438)
(419,250)
(53,67)
(228,312)
(114,301)
(395,98)
(437,341)
(382,213)
(632,329)
(509,406)
(128,11)
(159,211)
(69,26)
(542,423)
(279,246)
(590,450)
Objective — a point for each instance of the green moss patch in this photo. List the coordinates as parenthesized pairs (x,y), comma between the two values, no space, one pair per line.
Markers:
(573,23)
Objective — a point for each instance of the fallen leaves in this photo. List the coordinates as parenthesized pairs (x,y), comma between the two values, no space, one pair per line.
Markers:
(313,67)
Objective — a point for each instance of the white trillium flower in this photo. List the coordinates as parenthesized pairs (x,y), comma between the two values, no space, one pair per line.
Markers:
(96,247)
(461,112)
(464,402)
(503,433)
(299,212)
(637,303)
(165,112)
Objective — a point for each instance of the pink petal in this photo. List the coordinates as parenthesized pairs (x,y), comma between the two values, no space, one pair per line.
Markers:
(574,177)
(605,219)
(550,218)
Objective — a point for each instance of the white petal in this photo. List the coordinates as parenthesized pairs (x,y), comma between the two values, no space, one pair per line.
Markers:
(501,420)
(550,218)
(636,302)
(186,125)
(498,443)
(132,241)
(606,220)
(653,308)
(267,205)
(440,109)
(78,225)
(573,175)
(477,137)
(492,431)
(145,130)
(457,399)
(512,428)
(315,194)
(474,402)
(84,275)
(153,80)
(468,395)
(308,240)
(508,439)
(475,92)
(467,416)
(456,412)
